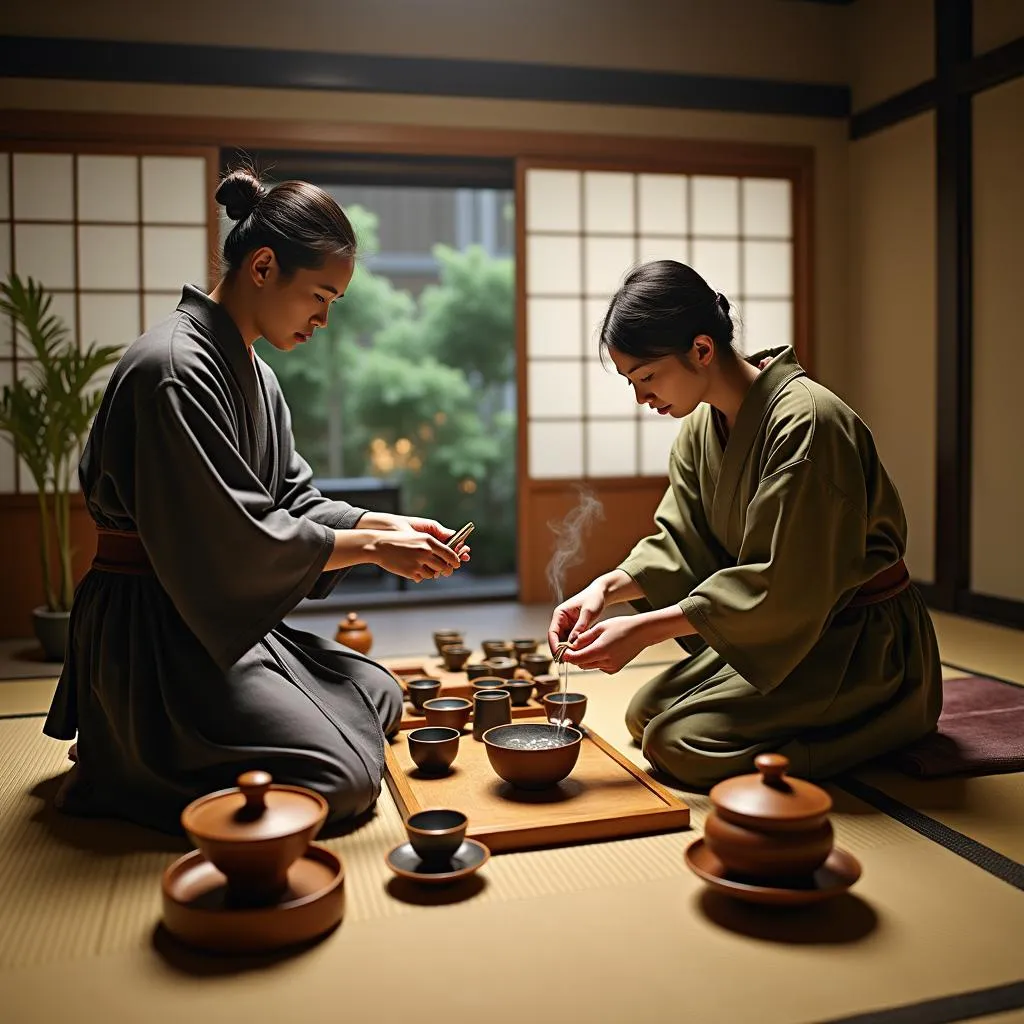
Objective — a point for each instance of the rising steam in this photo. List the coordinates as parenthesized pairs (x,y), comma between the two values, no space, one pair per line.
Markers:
(569,536)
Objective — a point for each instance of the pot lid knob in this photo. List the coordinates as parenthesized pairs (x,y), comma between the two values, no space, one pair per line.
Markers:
(772,767)
(254,786)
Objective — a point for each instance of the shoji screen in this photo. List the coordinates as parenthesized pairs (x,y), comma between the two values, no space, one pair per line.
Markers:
(581,230)
(112,236)
(584,230)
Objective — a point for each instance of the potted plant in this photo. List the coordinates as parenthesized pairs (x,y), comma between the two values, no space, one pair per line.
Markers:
(46,416)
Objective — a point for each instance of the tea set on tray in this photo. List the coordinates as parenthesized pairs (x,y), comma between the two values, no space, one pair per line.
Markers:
(258,882)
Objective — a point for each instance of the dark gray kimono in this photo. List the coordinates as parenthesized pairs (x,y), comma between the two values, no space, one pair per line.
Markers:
(178,681)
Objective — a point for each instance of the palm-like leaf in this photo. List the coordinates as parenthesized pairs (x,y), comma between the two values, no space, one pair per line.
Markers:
(47,415)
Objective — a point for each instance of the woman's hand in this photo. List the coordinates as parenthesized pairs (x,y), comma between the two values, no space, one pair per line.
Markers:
(610,645)
(416,555)
(576,614)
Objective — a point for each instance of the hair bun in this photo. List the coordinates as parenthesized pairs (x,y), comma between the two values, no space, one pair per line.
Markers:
(723,303)
(239,193)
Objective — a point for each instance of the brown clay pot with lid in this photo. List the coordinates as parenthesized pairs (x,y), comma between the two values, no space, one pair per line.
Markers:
(255,833)
(769,825)
(354,634)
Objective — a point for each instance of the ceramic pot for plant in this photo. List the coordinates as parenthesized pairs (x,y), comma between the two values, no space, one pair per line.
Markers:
(255,833)
(769,825)
(354,634)
(51,629)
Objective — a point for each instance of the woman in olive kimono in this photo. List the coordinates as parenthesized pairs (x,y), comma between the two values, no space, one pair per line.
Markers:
(180,673)
(777,559)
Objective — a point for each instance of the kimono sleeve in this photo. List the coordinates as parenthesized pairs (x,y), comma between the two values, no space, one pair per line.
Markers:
(668,564)
(803,547)
(232,561)
(299,497)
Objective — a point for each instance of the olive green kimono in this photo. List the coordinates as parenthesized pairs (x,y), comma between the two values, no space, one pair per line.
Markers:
(763,544)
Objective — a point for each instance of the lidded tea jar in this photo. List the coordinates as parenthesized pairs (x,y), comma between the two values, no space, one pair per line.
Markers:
(769,825)
(255,833)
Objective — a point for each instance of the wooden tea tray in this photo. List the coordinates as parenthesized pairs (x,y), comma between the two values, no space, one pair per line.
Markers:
(605,797)
(453,684)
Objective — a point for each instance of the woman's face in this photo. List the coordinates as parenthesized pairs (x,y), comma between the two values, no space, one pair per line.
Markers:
(288,310)
(673,385)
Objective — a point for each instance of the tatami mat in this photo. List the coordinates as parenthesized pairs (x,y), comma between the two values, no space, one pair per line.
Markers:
(625,923)
(923,924)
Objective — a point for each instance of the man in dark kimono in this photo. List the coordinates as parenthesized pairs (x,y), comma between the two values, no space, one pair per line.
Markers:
(180,673)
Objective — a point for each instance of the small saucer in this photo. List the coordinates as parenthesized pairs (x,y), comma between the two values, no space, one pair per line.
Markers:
(467,859)
(833,878)
(197,912)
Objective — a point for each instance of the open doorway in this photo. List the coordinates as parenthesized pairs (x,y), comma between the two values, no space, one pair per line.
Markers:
(406,401)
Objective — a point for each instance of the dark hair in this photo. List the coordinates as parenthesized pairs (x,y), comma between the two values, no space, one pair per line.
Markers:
(299,221)
(659,310)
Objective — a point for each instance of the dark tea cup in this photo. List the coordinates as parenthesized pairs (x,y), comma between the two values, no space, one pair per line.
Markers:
(477,671)
(536,664)
(490,708)
(497,648)
(519,690)
(446,637)
(434,748)
(455,657)
(504,668)
(420,690)
(544,685)
(565,707)
(488,683)
(448,712)
(523,646)
(436,834)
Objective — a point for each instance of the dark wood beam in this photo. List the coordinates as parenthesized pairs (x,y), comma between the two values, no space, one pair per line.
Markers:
(954,237)
(183,64)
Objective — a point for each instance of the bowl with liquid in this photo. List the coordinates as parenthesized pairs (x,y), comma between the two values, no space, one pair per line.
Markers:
(533,755)
(565,707)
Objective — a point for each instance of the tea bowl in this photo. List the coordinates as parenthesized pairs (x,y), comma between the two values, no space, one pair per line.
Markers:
(434,748)
(536,664)
(502,667)
(496,648)
(448,712)
(444,637)
(481,668)
(524,646)
(455,657)
(437,833)
(420,690)
(544,685)
(561,706)
(520,754)
(488,683)
(519,690)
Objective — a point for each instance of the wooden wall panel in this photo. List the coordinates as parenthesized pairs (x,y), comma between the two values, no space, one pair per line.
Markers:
(22,588)
(628,516)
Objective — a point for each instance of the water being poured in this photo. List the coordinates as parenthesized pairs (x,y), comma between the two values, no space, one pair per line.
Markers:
(569,537)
